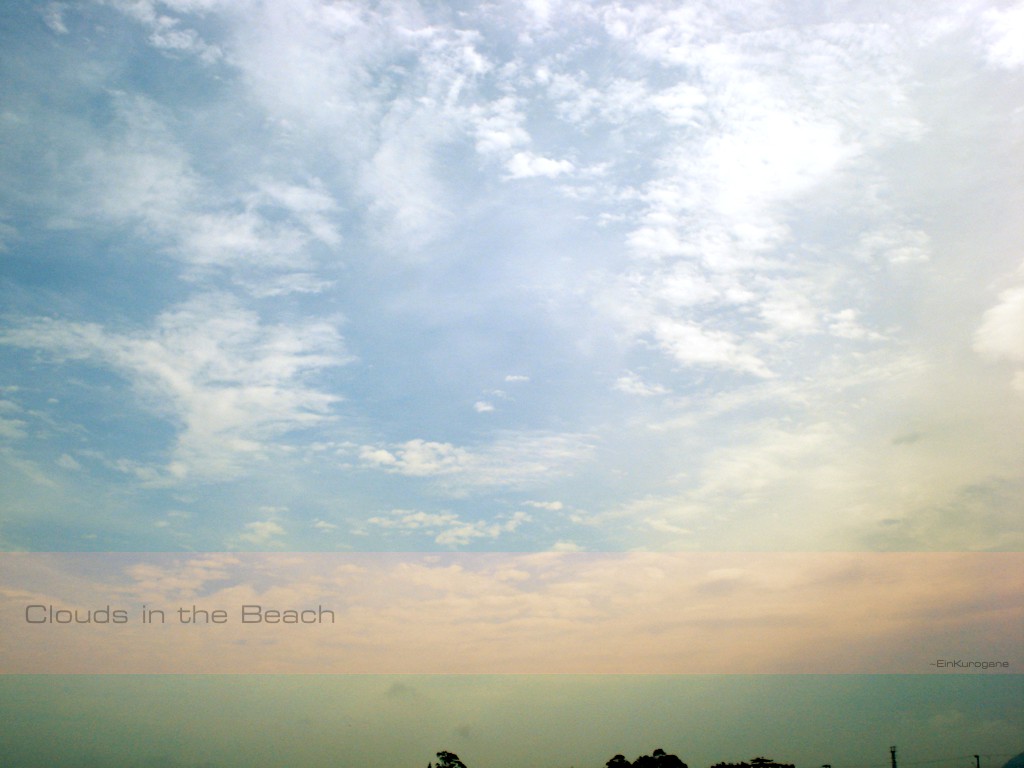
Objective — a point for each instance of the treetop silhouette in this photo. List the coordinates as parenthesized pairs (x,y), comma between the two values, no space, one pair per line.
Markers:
(447,760)
(657,759)
(756,762)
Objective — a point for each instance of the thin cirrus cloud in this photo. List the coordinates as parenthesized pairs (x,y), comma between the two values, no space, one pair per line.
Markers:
(233,384)
(511,460)
(447,528)
(723,263)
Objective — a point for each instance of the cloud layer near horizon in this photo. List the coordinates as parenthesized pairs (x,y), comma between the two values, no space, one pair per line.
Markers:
(651,613)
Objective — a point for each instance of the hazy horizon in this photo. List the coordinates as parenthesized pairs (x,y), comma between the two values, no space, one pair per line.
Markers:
(508,721)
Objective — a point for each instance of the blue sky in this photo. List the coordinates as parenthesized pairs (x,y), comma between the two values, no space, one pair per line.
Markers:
(511,277)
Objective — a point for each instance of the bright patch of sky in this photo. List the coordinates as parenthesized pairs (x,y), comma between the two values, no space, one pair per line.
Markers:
(515,277)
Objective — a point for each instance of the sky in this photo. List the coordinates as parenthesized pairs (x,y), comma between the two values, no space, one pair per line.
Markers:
(512,277)
(692,327)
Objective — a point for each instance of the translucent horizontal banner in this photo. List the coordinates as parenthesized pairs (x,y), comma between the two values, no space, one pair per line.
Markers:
(673,613)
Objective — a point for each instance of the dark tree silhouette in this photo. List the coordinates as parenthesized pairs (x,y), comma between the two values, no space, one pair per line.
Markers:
(757,762)
(448,760)
(667,761)
(657,759)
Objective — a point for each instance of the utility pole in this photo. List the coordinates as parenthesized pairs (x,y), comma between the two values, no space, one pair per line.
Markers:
(892,752)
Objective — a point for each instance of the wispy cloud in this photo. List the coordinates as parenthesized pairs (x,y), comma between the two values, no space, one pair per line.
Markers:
(447,528)
(512,460)
(230,383)
(718,261)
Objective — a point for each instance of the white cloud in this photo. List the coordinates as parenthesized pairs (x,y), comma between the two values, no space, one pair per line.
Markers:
(12,429)
(767,157)
(232,384)
(406,520)
(312,204)
(162,582)
(564,545)
(1001,335)
(527,165)
(448,528)
(690,344)
(789,312)
(1005,35)
(667,36)
(463,533)
(167,35)
(540,11)
(618,101)
(632,384)
(724,200)
(898,245)
(265,286)
(168,32)
(261,532)
(776,115)
(550,506)
(67,462)
(661,525)
(498,126)
(418,458)
(656,242)
(381,91)
(513,459)
(259,230)
(407,196)
(845,325)
(680,104)
(53,15)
